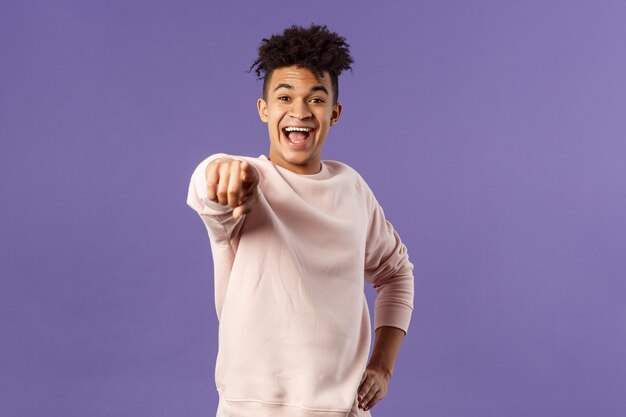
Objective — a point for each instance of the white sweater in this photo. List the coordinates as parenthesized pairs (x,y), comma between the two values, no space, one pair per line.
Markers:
(294,327)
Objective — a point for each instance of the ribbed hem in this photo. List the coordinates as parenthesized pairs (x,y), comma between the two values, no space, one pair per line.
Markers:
(244,408)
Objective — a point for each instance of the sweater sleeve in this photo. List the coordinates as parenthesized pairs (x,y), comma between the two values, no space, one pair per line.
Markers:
(388,269)
(222,228)
(217,218)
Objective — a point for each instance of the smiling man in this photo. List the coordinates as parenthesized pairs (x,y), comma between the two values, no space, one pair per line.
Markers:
(299,109)
(294,238)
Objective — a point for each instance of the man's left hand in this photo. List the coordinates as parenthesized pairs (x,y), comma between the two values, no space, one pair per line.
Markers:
(373,387)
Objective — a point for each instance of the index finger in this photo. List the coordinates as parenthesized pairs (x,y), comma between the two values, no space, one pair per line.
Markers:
(234,184)
(248,173)
(212,179)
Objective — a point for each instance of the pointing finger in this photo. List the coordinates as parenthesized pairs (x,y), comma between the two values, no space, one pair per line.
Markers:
(222,185)
(248,173)
(212,178)
(234,184)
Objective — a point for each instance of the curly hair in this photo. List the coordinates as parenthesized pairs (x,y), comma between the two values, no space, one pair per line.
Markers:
(314,48)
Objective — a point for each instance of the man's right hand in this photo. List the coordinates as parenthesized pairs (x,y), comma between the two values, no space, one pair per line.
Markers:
(234,183)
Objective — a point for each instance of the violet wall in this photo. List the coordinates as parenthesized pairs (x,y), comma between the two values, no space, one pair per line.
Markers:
(492,132)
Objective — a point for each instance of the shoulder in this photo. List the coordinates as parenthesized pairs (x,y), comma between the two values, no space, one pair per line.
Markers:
(341,168)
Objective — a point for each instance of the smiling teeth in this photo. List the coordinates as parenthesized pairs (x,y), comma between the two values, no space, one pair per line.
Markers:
(297,129)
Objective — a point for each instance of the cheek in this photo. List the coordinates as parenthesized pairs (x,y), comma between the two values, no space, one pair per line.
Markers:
(275,117)
(273,126)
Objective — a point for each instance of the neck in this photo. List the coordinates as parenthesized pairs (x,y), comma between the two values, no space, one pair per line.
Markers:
(305,169)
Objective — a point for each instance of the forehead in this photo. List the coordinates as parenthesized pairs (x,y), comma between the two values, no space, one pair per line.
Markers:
(298,77)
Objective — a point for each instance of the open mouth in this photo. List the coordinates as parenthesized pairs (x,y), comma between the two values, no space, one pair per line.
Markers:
(297,135)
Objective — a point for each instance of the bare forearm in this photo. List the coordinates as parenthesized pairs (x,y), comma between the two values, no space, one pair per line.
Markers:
(373,386)
(386,347)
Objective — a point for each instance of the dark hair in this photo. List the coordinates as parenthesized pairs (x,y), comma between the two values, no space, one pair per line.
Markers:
(314,48)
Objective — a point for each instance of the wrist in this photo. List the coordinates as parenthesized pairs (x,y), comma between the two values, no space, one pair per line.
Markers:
(381,366)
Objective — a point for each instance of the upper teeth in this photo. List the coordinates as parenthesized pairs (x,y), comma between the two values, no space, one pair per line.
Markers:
(297,129)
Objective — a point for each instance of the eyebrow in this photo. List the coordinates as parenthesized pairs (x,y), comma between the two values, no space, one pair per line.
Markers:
(290,87)
(320,88)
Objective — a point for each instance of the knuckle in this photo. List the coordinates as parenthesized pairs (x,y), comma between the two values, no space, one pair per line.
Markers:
(216,165)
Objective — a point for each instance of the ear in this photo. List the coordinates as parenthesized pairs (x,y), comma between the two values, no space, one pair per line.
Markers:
(261,106)
(334,117)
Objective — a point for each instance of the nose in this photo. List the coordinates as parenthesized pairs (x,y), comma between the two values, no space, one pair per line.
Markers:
(300,110)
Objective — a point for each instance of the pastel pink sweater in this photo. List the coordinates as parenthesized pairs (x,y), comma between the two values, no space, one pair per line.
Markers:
(294,326)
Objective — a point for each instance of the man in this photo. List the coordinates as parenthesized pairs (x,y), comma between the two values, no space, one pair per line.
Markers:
(293,238)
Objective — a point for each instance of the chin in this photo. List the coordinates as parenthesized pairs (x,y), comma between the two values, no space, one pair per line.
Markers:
(298,162)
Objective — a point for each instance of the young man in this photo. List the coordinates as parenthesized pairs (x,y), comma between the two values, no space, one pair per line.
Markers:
(293,238)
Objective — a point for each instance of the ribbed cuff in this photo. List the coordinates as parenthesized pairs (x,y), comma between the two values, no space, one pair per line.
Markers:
(393,315)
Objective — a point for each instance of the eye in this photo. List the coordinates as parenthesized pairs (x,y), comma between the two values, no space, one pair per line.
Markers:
(317,100)
(283,98)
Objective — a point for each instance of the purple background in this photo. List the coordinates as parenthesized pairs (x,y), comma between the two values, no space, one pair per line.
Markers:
(493,133)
